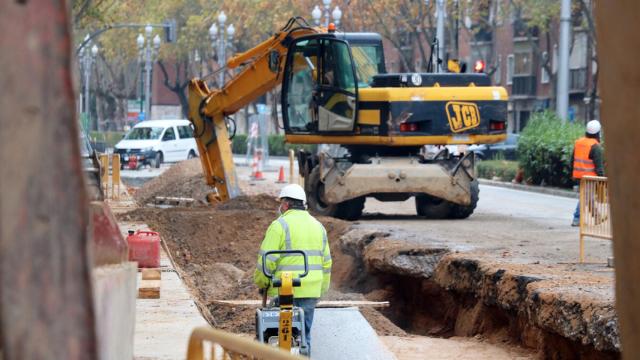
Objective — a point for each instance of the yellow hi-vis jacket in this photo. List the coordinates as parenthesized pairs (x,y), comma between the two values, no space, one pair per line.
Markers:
(296,230)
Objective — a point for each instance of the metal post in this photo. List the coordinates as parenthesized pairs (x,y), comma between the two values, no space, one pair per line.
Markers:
(291,164)
(87,73)
(147,95)
(222,59)
(440,8)
(326,13)
(562,98)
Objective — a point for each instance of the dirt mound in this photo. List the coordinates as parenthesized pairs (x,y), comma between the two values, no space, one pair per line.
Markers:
(257,202)
(217,248)
(183,179)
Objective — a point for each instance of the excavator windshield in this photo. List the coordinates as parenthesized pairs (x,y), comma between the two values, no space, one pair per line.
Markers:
(367,58)
(320,87)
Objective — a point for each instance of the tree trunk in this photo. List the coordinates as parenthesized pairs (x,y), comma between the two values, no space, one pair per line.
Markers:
(46,302)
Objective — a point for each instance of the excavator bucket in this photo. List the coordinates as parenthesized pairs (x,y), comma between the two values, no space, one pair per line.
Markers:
(213,143)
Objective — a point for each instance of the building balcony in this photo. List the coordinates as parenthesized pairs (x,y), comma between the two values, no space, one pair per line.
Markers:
(523,85)
(578,80)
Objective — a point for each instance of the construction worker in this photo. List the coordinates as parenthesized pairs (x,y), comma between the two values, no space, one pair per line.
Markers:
(296,229)
(588,159)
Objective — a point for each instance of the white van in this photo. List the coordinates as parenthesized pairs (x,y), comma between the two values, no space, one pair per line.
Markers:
(153,142)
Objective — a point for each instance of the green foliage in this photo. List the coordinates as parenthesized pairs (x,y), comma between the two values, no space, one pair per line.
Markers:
(545,149)
(110,138)
(277,146)
(503,169)
(239,144)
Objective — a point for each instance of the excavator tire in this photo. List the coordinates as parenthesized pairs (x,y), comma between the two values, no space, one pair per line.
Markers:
(463,212)
(346,210)
(435,208)
(351,209)
(314,188)
(432,207)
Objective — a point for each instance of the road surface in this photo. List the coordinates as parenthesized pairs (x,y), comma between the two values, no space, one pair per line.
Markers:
(515,225)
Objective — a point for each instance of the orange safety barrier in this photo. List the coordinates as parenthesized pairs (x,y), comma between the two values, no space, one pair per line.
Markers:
(110,175)
(595,215)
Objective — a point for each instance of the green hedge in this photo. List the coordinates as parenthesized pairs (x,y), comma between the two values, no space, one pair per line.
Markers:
(503,169)
(110,138)
(545,148)
(277,146)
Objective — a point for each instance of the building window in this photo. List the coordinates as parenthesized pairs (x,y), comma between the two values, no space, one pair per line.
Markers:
(544,75)
(523,64)
(497,76)
(510,69)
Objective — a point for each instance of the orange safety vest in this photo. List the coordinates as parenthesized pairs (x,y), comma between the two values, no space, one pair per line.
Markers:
(582,165)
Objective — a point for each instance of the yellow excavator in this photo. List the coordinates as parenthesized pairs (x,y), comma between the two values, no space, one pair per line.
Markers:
(335,90)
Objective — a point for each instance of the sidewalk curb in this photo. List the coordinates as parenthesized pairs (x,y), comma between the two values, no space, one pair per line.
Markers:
(530,188)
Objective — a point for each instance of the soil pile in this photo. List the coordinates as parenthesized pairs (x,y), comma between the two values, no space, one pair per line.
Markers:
(183,179)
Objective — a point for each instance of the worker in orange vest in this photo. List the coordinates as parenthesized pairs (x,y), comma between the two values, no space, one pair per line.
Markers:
(588,159)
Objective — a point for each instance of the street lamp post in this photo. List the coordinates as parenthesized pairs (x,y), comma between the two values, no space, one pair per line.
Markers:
(87,57)
(316,14)
(327,5)
(440,9)
(148,49)
(220,43)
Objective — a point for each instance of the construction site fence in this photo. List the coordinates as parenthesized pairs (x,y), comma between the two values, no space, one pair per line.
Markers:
(595,210)
(209,343)
(110,175)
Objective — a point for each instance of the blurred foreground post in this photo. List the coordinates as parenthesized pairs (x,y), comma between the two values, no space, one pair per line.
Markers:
(618,28)
(46,309)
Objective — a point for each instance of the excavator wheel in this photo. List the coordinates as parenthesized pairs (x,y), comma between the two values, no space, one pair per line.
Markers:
(347,210)
(314,188)
(463,212)
(432,207)
(351,209)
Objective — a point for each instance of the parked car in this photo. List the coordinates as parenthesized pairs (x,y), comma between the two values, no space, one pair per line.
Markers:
(153,142)
(505,149)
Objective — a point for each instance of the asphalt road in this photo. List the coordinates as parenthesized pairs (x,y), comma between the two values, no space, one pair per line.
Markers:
(517,226)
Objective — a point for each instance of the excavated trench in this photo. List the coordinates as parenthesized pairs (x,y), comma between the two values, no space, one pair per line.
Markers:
(439,293)
(432,290)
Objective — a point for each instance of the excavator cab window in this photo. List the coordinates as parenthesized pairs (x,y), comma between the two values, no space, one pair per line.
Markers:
(319,87)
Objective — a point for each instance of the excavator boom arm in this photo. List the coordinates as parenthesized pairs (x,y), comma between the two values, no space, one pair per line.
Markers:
(208,108)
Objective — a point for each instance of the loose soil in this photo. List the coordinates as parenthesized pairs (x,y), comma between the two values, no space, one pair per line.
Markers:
(183,179)
(217,247)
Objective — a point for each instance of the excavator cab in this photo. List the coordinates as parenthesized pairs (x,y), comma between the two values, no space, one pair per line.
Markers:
(320,87)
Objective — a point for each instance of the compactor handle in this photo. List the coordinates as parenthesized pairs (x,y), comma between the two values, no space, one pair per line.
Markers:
(266,272)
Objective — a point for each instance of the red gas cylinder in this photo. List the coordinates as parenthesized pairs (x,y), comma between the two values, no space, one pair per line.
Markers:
(133,162)
(144,247)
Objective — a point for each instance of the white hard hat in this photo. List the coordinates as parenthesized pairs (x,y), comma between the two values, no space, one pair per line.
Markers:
(593,127)
(293,191)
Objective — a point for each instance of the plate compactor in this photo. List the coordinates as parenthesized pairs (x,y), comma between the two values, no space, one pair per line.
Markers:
(282,324)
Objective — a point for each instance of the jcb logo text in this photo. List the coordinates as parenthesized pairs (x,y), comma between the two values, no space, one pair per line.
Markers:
(462,115)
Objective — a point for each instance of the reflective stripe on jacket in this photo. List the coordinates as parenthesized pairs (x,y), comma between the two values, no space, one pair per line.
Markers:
(297,230)
(582,164)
